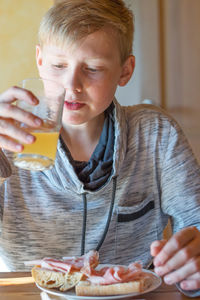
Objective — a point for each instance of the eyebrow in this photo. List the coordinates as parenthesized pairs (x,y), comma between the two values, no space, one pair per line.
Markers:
(87,60)
(58,55)
(95,59)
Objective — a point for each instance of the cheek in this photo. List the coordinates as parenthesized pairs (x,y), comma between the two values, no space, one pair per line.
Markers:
(110,86)
(102,97)
(46,71)
(109,83)
(43,71)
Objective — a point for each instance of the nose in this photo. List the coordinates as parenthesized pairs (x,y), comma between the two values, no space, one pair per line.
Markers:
(73,81)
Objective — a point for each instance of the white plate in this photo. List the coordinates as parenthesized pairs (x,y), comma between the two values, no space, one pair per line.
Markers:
(70,295)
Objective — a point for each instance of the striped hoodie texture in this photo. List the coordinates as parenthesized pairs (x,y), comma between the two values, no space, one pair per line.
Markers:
(157,178)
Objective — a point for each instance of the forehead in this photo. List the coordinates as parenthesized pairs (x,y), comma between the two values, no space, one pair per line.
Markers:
(100,44)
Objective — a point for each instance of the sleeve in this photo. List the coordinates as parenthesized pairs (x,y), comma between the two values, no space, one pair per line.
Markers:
(5,168)
(5,172)
(191,294)
(180,181)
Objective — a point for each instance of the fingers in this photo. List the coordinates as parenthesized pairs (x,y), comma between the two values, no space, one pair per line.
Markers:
(9,144)
(191,283)
(156,247)
(11,135)
(194,276)
(179,259)
(15,92)
(177,242)
(8,110)
(187,270)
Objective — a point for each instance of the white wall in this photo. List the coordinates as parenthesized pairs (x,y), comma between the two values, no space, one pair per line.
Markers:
(145,83)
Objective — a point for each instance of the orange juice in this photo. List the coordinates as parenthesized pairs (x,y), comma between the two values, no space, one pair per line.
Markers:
(45,144)
(41,154)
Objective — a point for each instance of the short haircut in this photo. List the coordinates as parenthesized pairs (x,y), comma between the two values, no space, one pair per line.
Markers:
(68,21)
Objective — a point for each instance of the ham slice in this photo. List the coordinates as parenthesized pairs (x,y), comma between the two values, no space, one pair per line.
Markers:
(113,274)
(113,280)
(67,264)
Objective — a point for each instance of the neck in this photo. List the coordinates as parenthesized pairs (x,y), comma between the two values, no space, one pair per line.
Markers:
(82,139)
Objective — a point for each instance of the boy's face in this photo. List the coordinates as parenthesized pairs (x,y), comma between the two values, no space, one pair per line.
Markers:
(90,73)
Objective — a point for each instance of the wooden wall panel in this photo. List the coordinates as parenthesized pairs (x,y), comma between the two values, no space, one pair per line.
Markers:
(182,65)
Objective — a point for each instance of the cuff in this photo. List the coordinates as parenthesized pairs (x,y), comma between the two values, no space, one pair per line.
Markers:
(191,294)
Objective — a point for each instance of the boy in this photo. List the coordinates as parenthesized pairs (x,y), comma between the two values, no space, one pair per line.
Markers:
(120,172)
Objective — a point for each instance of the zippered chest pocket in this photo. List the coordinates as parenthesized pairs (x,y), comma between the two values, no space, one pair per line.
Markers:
(136,227)
(131,215)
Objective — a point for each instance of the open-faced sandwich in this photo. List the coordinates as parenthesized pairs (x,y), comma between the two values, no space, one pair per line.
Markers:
(113,280)
(62,274)
(81,273)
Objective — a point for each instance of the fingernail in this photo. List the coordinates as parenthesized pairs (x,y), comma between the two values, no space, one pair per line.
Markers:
(157,262)
(38,121)
(30,138)
(34,100)
(158,271)
(156,243)
(184,285)
(168,280)
(19,147)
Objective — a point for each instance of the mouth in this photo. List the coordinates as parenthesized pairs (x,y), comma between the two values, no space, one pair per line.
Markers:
(73,105)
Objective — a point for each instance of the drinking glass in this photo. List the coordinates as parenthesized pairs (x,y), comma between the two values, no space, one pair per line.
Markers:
(41,154)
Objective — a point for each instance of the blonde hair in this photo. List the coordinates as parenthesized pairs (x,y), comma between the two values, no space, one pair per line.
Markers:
(68,21)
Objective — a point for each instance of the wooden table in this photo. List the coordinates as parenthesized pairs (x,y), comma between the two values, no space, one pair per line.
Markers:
(20,286)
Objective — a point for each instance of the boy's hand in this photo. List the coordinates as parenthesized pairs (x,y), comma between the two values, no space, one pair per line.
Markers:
(178,259)
(11,135)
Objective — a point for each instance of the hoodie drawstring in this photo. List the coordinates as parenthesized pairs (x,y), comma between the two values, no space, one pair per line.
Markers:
(107,222)
(84,223)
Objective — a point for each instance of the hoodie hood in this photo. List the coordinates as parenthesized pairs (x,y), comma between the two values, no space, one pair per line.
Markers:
(63,174)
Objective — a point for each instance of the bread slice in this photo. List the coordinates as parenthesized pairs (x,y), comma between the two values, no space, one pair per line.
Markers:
(52,279)
(85,288)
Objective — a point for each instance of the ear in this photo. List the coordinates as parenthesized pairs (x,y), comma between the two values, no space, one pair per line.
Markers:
(38,56)
(127,70)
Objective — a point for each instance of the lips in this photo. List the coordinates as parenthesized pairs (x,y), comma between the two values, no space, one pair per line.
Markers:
(73,105)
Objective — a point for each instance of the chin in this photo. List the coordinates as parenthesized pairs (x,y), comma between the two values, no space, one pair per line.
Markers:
(73,121)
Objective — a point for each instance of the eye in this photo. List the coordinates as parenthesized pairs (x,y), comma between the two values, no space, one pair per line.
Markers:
(59,66)
(92,70)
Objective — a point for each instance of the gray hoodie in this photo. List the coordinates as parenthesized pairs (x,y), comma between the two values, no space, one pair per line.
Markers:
(154,177)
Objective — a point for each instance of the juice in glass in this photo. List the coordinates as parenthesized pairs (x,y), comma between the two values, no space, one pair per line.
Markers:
(41,154)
